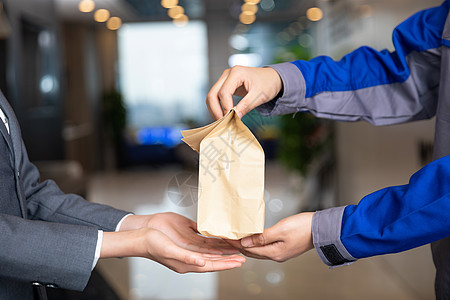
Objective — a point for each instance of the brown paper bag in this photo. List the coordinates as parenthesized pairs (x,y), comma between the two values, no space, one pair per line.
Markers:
(231,178)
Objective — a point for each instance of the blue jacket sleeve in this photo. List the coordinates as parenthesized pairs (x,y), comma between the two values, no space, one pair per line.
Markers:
(391,220)
(399,218)
(380,87)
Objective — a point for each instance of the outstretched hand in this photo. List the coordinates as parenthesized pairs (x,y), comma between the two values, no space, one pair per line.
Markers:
(256,85)
(155,245)
(287,239)
(181,230)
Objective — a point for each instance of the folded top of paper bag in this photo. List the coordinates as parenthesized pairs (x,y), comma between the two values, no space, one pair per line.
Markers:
(231,178)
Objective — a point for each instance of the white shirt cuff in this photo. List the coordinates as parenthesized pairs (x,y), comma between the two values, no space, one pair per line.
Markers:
(98,248)
(121,221)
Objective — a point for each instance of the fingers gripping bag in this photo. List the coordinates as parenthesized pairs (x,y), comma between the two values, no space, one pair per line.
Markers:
(231,178)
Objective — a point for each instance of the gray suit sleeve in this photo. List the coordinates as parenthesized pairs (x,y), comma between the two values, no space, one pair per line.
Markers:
(326,231)
(46,202)
(57,245)
(50,253)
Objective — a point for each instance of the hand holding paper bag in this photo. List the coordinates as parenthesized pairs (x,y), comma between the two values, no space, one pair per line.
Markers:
(231,178)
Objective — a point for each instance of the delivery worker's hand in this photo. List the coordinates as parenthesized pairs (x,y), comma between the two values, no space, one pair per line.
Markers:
(256,85)
(181,230)
(288,238)
(155,245)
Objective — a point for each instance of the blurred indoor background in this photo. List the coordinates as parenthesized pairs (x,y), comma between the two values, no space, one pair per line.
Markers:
(102,89)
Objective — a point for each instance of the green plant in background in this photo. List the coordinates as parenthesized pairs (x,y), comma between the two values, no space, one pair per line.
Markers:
(303,137)
(114,115)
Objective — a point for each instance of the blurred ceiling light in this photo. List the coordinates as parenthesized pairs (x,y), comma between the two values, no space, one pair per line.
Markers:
(314,14)
(254,289)
(101,15)
(86,6)
(252,1)
(239,42)
(114,23)
(181,20)
(175,12)
(245,59)
(250,8)
(275,205)
(275,277)
(5,27)
(305,40)
(297,27)
(247,18)
(267,5)
(291,31)
(47,84)
(45,39)
(283,37)
(169,3)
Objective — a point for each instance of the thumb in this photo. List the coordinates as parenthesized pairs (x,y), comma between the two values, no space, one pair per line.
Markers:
(258,240)
(250,101)
(244,106)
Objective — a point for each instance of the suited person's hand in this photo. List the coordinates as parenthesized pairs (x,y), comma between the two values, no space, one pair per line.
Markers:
(287,239)
(154,245)
(181,230)
(256,85)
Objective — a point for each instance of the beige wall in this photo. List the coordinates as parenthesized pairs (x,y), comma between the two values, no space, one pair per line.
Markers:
(371,158)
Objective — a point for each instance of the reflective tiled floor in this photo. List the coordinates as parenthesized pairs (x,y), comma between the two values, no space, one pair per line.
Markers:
(402,276)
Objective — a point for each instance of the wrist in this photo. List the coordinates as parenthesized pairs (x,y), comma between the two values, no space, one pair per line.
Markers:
(276,79)
(134,222)
(310,244)
(124,244)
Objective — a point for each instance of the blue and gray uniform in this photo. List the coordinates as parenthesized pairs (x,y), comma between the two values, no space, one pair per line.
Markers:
(381,87)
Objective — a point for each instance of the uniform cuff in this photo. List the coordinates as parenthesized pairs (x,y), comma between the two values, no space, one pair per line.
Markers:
(292,99)
(326,230)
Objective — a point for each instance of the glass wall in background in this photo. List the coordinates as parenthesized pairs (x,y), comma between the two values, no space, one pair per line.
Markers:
(163,79)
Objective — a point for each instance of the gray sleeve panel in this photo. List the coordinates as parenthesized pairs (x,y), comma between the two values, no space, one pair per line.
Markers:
(293,95)
(414,99)
(382,105)
(442,134)
(446,32)
(326,232)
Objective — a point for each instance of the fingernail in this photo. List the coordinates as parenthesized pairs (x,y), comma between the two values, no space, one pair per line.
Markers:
(239,114)
(247,242)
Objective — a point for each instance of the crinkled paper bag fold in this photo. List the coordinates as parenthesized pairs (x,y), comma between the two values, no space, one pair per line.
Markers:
(231,178)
